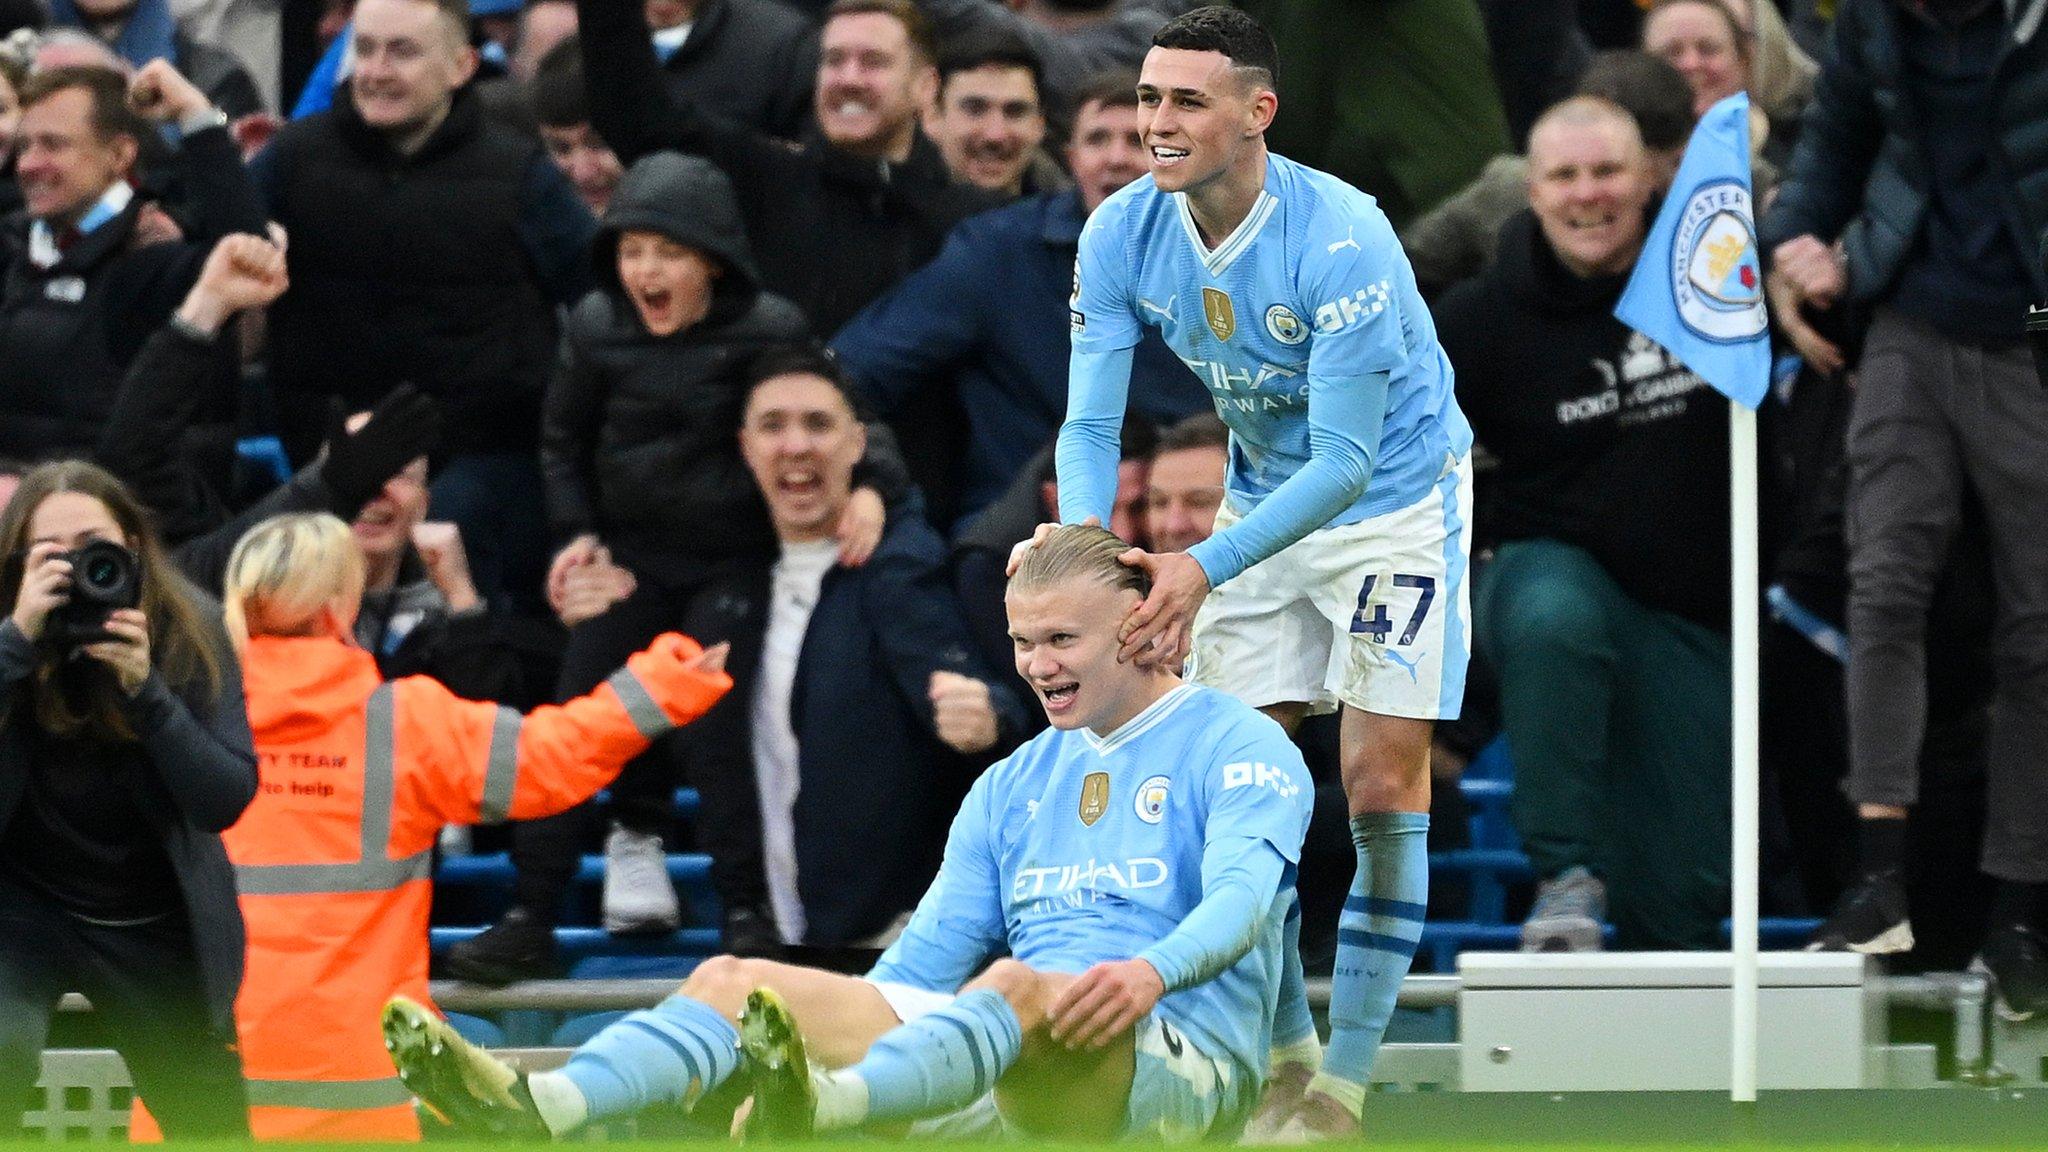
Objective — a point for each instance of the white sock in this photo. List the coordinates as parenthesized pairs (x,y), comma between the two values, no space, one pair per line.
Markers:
(842,1102)
(1350,1095)
(1306,1052)
(560,1103)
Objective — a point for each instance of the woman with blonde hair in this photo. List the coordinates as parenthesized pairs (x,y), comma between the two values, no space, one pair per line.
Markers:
(358,775)
(123,754)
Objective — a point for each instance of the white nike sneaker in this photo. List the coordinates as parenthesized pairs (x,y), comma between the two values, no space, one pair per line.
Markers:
(638,898)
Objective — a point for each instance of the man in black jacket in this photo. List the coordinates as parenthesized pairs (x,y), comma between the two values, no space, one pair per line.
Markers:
(860,204)
(749,62)
(83,288)
(1604,608)
(427,245)
(1920,188)
(870,700)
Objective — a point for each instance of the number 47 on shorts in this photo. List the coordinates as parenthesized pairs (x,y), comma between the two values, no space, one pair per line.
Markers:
(1371,620)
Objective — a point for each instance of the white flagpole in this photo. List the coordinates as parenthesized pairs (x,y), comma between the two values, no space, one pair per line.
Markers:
(1743,549)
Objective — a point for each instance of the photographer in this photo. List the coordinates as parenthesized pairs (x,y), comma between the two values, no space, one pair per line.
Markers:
(124,751)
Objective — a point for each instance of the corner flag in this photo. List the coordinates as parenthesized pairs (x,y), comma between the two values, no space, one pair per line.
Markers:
(1698,287)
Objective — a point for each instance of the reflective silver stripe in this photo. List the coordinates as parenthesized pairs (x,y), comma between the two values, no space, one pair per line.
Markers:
(373,870)
(376,875)
(380,748)
(647,716)
(331,1095)
(502,772)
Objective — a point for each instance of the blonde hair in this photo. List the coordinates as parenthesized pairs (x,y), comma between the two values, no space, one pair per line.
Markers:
(285,570)
(1079,552)
(1783,75)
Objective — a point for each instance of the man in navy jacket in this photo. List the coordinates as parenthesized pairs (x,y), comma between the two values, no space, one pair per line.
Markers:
(870,710)
(988,316)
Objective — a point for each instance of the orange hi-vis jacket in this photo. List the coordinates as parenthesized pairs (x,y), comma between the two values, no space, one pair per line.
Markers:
(332,860)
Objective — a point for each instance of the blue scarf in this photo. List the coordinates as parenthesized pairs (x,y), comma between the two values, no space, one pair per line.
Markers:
(148,35)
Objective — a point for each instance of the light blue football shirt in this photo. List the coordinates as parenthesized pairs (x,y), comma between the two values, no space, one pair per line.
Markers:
(1079,848)
(1307,329)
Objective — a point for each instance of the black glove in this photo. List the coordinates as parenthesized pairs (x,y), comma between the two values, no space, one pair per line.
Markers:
(405,425)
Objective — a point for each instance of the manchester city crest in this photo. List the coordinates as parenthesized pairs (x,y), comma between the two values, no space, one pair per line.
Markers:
(1151,799)
(1716,280)
(1283,325)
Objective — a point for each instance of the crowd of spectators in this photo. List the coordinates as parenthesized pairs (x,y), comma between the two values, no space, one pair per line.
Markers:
(600,319)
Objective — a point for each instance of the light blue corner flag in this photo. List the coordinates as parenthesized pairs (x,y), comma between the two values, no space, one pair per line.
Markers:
(1698,287)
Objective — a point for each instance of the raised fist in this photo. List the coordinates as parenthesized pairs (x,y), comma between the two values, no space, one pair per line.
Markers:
(161,93)
(962,712)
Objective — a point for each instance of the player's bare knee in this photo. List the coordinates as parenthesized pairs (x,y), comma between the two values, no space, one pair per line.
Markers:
(1018,983)
(723,982)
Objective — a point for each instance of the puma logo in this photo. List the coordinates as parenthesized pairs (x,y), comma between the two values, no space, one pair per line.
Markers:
(1408,665)
(1166,312)
(1349,241)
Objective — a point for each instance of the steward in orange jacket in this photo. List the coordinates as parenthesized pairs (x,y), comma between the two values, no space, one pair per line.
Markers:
(333,857)
(357,777)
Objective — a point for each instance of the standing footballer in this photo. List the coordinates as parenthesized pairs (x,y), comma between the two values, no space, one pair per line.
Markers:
(1336,576)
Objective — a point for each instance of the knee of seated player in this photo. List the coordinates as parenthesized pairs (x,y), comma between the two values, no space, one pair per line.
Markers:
(1029,992)
(723,982)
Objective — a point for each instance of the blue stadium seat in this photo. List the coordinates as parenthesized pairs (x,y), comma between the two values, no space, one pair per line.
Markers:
(686,802)
(1777,933)
(688,870)
(477,1030)
(675,968)
(1487,872)
(265,453)
(576,1029)
(577,944)
(477,889)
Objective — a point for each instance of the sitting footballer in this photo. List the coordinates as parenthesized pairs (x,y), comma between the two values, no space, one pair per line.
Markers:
(1132,867)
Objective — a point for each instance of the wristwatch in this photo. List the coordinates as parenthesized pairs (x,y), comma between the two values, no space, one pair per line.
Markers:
(209,117)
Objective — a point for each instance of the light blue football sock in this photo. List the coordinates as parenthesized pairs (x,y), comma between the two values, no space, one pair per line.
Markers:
(672,1053)
(1376,936)
(1292,1020)
(941,1061)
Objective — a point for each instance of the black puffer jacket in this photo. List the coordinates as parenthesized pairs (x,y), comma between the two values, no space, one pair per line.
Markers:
(1860,171)
(640,439)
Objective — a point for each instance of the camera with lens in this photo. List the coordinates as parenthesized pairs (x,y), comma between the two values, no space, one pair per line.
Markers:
(104,577)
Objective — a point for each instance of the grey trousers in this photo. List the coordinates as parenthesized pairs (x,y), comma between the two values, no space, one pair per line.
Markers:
(1930,417)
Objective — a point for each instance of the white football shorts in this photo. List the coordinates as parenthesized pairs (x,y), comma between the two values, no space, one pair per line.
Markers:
(1374,614)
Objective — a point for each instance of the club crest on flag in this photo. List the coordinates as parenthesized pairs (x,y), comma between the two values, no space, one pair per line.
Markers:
(1717,282)
(1698,288)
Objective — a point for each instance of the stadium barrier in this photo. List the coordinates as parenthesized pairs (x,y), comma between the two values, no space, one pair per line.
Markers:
(83,1095)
